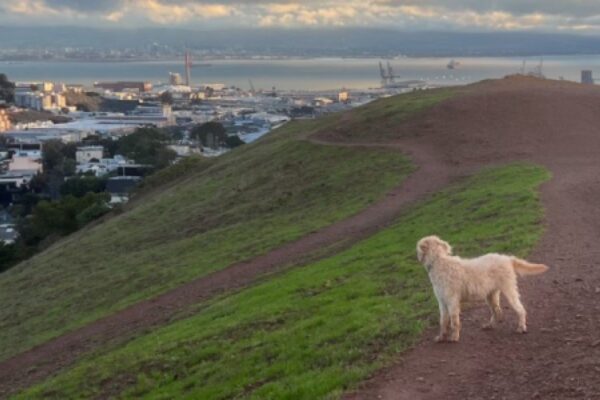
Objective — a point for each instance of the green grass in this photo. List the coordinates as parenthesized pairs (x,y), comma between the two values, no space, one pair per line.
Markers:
(378,121)
(316,331)
(197,217)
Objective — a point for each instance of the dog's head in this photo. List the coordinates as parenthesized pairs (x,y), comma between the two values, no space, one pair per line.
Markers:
(430,246)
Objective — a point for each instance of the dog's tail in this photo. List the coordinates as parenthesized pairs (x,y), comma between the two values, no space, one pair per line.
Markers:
(523,267)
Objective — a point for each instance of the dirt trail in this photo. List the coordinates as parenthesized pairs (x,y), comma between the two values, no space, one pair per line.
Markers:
(49,358)
(556,125)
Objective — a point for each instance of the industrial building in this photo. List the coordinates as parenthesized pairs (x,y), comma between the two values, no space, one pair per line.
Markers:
(122,86)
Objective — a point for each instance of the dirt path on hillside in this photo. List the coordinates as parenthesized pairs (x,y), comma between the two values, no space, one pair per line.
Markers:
(49,358)
(559,358)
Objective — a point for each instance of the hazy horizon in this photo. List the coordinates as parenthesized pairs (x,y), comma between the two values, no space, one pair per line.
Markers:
(341,41)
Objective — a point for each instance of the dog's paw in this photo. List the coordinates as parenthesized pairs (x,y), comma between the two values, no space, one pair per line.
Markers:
(522,329)
(487,327)
(439,339)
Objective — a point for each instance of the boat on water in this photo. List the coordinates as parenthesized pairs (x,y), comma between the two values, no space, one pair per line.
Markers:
(452,64)
(388,79)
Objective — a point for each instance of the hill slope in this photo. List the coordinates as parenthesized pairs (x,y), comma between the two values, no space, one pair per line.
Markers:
(314,331)
(318,330)
(245,203)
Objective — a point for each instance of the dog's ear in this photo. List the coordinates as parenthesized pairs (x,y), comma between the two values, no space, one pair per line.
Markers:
(422,248)
(446,247)
(442,244)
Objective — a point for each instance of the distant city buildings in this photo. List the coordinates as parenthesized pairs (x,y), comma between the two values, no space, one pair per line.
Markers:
(26,162)
(343,96)
(101,166)
(123,86)
(5,123)
(175,79)
(8,229)
(41,135)
(85,154)
(40,96)
(18,170)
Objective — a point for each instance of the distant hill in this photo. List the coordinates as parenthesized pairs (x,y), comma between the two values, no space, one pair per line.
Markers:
(311,42)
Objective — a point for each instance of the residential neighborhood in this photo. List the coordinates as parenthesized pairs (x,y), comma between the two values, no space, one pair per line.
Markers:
(81,150)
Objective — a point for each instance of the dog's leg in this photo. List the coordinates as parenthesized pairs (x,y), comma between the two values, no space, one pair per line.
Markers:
(493,302)
(454,311)
(512,295)
(444,323)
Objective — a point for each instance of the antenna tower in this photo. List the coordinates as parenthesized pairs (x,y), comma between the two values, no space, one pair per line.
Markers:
(188,68)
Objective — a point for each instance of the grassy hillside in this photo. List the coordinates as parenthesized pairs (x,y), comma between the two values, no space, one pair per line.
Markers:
(315,331)
(217,213)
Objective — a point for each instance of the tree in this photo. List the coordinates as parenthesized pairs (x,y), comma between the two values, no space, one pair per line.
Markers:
(69,167)
(147,146)
(166,98)
(59,218)
(174,132)
(210,134)
(58,160)
(7,89)
(69,150)
(8,256)
(80,186)
(52,154)
(234,141)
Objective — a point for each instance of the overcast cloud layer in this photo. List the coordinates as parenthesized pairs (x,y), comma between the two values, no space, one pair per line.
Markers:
(495,15)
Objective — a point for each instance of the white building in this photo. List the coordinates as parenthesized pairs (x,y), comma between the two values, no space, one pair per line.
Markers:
(27,162)
(175,78)
(184,150)
(15,179)
(343,96)
(103,167)
(87,153)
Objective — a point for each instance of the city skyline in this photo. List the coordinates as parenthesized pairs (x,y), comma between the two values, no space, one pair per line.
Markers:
(578,16)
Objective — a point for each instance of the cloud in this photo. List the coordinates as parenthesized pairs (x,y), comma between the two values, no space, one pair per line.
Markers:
(28,7)
(85,6)
(172,13)
(542,15)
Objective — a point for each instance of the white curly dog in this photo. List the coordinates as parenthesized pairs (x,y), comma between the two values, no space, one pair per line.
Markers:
(455,279)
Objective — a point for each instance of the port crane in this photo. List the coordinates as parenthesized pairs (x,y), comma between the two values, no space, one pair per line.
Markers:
(388,78)
(387,74)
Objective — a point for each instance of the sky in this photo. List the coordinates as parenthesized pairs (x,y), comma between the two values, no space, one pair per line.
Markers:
(565,16)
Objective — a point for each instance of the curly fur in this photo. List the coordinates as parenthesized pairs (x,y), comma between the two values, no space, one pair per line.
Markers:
(456,279)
